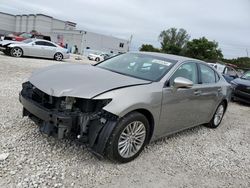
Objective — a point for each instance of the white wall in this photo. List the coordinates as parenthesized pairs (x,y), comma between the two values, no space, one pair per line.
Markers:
(7,22)
(104,43)
(58,24)
(18,24)
(23,23)
(31,23)
(94,41)
(43,24)
(69,37)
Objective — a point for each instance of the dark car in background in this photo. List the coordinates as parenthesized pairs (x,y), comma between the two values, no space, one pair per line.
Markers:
(241,88)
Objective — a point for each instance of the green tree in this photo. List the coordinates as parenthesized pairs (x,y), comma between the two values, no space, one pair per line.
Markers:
(203,49)
(148,48)
(173,41)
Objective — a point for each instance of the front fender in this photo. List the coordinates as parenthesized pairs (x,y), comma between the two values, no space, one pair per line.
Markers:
(132,98)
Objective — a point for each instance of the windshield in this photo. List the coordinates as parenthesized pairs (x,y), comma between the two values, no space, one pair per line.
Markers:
(141,66)
(246,76)
(27,41)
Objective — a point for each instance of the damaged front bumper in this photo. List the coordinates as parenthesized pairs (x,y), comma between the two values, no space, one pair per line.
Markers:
(50,122)
(92,127)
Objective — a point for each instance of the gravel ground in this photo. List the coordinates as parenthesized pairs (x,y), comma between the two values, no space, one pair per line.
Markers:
(199,157)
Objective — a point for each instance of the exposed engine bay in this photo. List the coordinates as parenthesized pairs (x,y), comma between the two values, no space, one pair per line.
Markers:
(64,117)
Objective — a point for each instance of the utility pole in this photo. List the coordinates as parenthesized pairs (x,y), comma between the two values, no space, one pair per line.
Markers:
(247,51)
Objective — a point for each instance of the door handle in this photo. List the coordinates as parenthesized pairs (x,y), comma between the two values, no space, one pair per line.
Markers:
(197,92)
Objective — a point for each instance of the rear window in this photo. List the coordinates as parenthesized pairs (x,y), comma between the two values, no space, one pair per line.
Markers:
(207,74)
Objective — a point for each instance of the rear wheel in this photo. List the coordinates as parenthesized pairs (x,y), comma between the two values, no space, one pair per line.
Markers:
(218,116)
(58,56)
(16,52)
(128,138)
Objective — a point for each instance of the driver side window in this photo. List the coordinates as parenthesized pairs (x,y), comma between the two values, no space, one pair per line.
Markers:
(188,71)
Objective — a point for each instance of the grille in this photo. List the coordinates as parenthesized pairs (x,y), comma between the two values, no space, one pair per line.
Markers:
(243,89)
(40,97)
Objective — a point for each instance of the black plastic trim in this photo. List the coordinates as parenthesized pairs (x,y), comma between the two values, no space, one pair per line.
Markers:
(44,114)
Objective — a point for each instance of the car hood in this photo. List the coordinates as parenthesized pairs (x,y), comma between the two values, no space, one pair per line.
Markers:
(242,81)
(83,81)
(4,42)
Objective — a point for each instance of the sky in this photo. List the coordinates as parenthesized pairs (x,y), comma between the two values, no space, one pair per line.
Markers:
(225,21)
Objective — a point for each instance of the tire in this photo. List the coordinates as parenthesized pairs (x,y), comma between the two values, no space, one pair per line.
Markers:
(58,56)
(97,59)
(16,52)
(233,99)
(139,125)
(218,116)
(6,52)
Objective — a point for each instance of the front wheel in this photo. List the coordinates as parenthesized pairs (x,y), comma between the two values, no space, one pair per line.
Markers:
(97,59)
(218,116)
(128,138)
(58,56)
(16,52)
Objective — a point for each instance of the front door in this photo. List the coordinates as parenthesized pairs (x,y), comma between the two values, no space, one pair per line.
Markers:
(180,108)
(49,49)
(36,49)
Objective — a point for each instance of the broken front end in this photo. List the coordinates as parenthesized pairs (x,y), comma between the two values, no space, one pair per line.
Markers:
(83,119)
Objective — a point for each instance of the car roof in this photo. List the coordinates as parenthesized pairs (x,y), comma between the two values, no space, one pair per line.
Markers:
(35,40)
(169,56)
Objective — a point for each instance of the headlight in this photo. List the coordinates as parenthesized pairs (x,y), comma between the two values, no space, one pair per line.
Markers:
(106,102)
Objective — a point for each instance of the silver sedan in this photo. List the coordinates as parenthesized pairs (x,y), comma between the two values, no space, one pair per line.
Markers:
(37,48)
(118,106)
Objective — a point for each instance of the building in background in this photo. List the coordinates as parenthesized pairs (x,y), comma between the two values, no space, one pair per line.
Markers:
(88,41)
(63,33)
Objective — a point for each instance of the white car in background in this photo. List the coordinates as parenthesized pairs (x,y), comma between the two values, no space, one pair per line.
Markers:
(36,48)
(98,56)
(219,67)
(228,72)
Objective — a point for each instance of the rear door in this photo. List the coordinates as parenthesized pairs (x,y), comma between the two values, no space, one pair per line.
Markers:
(210,92)
(49,49)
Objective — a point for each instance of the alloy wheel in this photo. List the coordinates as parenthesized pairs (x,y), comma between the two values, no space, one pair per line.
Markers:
(131,139)
(218,115)
(58,56)
(17,52)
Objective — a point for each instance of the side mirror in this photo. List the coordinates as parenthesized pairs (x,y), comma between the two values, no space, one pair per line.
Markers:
(181,82)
